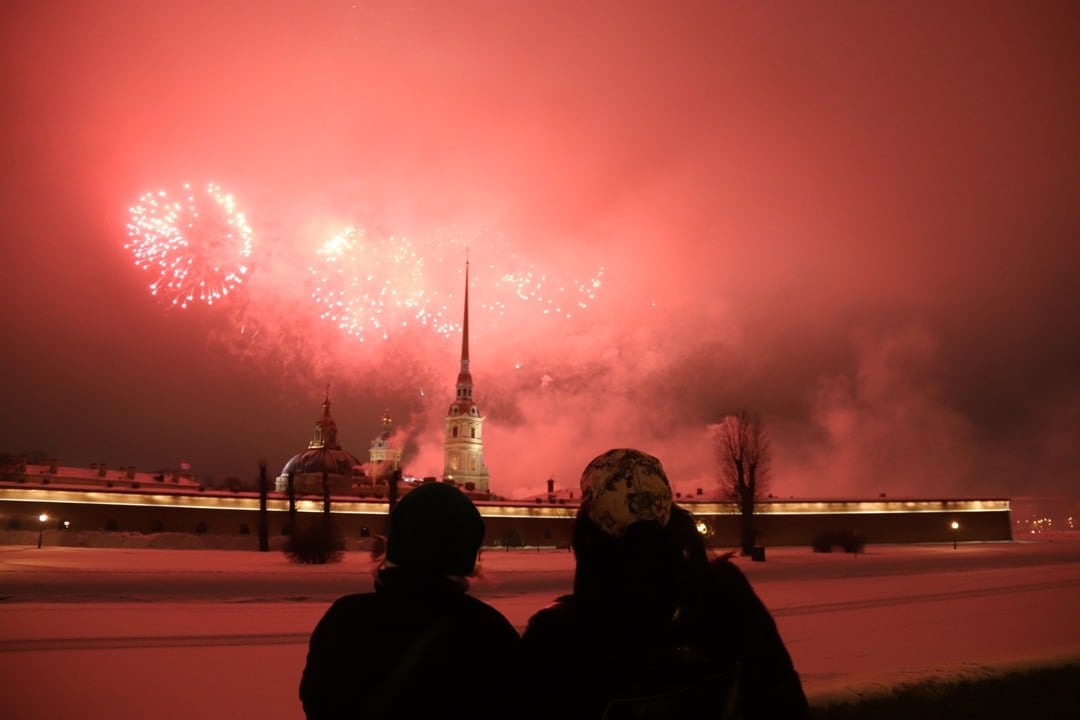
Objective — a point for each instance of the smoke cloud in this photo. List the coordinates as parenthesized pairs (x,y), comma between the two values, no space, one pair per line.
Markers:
(859,224)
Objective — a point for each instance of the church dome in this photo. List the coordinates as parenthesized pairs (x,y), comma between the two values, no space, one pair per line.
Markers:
(333,461)
(323,454)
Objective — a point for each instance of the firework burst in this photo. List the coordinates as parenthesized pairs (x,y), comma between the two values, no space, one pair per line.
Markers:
(372,287)
(198,245)
(542,291)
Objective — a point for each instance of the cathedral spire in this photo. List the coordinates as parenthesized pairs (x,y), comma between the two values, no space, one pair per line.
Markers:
(464,380)
(463,446)
(465,324)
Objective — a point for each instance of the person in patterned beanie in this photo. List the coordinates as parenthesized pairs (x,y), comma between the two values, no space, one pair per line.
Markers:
(653,627)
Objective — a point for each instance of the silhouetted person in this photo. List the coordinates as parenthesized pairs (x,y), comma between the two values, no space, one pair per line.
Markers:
(419,646)
(653,628)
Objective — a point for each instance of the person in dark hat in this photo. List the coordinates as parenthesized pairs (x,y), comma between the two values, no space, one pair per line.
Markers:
(418,646)
(653,628)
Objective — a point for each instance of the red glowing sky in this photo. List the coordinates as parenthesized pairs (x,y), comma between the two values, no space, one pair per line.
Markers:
(859,220)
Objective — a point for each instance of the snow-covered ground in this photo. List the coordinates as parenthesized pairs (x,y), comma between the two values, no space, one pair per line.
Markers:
(113,633)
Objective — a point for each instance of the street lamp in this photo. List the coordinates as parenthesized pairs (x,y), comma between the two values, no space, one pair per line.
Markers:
(955,531)
(41,527)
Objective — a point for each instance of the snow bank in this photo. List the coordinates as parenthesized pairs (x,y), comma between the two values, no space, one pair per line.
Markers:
(1046,687)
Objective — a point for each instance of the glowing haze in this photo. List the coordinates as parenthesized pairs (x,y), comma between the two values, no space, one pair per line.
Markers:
(859,220)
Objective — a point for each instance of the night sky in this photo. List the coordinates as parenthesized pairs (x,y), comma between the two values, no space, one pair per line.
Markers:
(859,220)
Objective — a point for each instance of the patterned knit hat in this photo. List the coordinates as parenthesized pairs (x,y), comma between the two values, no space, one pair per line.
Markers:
(625,486)
(435,529)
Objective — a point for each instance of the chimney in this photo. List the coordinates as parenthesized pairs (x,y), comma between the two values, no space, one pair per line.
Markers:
(101,469)
(551,486)
(53,466)
(131,472)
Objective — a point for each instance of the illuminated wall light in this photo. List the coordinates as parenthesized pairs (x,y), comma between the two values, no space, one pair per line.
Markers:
(249,502)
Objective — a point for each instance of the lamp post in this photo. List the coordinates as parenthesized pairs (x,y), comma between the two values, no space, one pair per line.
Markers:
(41,527)
(955,531)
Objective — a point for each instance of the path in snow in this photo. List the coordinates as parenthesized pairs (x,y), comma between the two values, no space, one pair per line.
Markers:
(181,634)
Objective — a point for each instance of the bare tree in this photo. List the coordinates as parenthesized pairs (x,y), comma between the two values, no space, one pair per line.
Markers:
(291,489)
(741,448)
(264,519)
(326,496)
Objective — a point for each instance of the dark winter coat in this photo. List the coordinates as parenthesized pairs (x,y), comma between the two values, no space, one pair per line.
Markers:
(724,648)
(417,647)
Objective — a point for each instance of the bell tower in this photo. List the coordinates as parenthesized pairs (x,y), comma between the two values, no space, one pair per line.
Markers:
(384,456)
(463,445)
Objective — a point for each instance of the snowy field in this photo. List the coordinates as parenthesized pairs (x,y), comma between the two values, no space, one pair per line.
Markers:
(93,633)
